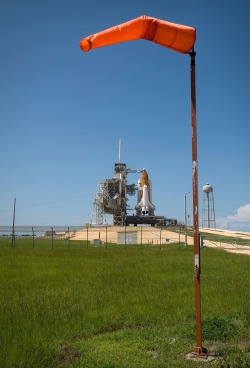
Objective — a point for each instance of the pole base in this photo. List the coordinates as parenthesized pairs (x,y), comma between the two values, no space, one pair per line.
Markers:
(199,353)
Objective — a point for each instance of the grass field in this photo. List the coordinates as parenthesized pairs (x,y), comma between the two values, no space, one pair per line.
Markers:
(111,308)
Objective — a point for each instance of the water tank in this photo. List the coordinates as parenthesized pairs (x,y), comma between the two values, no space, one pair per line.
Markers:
(208,217)
(207,188)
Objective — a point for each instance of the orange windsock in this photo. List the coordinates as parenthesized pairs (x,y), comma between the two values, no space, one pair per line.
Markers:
(173,36)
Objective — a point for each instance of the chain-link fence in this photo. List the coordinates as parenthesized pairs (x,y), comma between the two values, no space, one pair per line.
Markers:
(225,239)
(113,237)
(85,237)
(34,236)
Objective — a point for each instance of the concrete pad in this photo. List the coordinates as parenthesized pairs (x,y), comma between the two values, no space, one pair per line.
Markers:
(206,359)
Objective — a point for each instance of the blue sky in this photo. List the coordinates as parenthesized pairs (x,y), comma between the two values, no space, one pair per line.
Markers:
(63,111)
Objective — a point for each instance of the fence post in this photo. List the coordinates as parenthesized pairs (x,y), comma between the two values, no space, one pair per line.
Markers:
(125,238)
(52,237)
(180,237)
(87,237)
(141,237)
(68,237)
(13,245)
(106,237)
(13,227)
(33,238)
(160,238)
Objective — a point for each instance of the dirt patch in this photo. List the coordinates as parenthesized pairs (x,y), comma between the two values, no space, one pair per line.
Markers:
(67,355)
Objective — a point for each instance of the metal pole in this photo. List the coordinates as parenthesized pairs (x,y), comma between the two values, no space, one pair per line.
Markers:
(208,211)
(13,226)
(106,236)
(185,216)
(160,237)
(52,238)
(87,237)
(180,237)
(68,237)
(141,236)
(33,237)
(125,237)
(198,349)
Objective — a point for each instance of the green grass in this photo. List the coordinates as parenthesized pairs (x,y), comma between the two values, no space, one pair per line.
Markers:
(62,244)
(235,240)
(78,307)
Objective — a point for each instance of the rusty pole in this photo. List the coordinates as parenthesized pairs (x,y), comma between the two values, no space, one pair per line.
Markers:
(198,349)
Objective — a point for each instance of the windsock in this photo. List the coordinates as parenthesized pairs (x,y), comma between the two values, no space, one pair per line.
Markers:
(176,37)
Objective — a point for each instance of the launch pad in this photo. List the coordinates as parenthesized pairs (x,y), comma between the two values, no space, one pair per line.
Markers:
(111,197)
(150,220)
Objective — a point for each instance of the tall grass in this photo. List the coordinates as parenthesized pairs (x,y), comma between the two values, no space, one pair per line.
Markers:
(126,308)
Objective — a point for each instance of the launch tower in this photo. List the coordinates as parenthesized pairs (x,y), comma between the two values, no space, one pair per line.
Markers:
(111,195)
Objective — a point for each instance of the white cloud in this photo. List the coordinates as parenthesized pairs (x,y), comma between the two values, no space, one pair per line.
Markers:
(242,214)
(238,222)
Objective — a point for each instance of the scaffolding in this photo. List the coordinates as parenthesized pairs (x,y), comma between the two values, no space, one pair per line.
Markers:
(111,197)
(97,216)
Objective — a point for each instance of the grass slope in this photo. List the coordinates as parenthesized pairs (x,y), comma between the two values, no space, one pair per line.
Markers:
(127,308)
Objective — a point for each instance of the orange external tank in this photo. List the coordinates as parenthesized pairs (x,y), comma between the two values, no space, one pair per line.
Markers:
(144,178)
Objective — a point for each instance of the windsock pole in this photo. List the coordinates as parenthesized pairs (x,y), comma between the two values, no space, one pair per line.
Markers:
(199,351)
(181,39)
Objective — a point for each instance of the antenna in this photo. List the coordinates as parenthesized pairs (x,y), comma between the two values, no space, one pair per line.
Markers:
(120,147)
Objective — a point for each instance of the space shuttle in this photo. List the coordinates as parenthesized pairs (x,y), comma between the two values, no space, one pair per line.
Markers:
(144,206)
